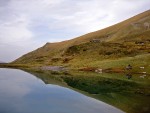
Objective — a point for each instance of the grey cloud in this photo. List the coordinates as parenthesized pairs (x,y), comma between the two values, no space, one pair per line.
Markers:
(4,2)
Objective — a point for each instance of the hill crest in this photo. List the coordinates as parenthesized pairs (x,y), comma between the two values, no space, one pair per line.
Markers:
(134,29)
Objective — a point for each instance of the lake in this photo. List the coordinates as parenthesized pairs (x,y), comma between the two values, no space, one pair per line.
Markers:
(21,92)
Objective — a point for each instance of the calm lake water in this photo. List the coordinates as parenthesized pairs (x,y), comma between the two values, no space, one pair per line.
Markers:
(21,92)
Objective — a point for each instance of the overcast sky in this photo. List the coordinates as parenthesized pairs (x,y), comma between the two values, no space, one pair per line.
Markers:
(28,24)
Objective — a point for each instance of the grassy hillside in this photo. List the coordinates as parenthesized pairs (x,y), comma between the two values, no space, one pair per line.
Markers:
(127,39)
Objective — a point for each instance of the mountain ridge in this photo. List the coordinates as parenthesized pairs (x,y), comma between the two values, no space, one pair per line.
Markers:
(134,29)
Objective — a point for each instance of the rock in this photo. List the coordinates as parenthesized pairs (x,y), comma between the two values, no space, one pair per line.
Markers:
(98,70)
(141,67)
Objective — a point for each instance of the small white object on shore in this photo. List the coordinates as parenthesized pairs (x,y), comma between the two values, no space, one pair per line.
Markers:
(98,70)
(141,76)
(142,67)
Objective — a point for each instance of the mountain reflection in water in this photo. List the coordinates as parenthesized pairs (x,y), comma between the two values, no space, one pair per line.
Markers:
(20,92)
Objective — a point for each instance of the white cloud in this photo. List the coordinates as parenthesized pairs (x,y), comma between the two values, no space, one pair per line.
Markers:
(14,31)
(27,24)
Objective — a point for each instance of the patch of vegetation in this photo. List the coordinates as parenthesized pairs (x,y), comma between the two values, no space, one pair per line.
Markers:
(8,65)
(73,50)
(55,59)
(67,59)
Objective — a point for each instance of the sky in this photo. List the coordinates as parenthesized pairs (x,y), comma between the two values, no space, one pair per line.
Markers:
(26,25)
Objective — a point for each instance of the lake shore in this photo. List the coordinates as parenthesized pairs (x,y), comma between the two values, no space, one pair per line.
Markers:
(112,88)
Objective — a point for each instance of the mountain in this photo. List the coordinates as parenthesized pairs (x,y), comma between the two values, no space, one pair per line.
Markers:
(125,41)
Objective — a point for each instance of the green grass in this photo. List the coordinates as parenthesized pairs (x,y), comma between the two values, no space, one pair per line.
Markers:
(136,62)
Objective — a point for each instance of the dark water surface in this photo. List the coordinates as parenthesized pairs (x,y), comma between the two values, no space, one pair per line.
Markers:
(21,92)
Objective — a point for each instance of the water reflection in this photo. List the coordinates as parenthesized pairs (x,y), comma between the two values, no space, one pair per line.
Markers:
(20,92)
(128,75)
